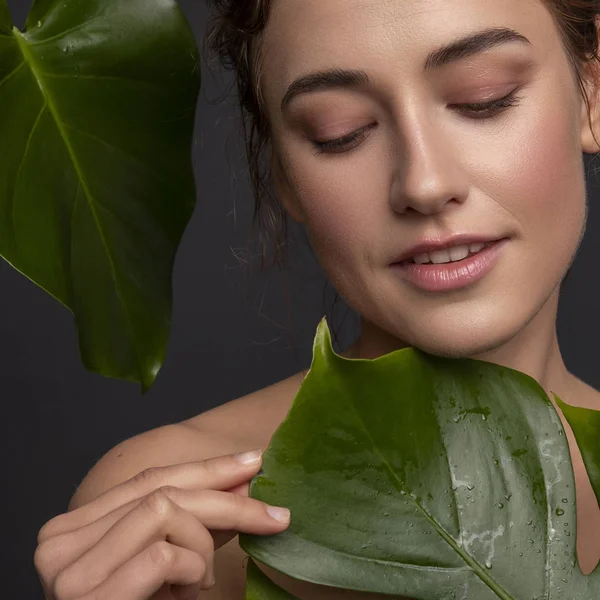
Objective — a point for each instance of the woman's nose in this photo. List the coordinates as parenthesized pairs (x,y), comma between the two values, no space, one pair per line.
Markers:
(429,173)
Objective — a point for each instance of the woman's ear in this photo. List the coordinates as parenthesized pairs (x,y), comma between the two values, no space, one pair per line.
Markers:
(284,190)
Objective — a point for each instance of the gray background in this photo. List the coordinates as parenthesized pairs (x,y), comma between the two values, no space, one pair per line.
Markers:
(234,331)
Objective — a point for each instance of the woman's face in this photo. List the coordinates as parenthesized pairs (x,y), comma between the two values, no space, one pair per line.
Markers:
(427,168)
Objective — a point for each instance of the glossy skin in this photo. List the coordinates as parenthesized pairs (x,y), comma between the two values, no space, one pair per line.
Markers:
(236,426)
(158,528)
(424,168)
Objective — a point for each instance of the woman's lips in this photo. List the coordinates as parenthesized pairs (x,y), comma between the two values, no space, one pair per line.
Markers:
(453,275)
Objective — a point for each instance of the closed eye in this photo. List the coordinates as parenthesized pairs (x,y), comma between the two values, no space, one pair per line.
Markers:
(492,108)
(481,110)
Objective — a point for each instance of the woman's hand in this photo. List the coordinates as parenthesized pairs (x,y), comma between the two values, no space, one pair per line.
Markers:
(158,529)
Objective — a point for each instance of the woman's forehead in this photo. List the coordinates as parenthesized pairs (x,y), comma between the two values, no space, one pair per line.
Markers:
(304,35)
(301,29)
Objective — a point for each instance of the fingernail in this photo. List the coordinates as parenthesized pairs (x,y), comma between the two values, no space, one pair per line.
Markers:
(279,513)
(247,458)
(209,581)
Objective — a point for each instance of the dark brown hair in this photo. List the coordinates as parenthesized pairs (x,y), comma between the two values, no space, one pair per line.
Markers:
(234,36)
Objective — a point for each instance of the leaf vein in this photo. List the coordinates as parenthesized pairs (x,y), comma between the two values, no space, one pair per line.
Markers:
(469,560)
(57,36)
(150,172)
(13,72)
(382,561)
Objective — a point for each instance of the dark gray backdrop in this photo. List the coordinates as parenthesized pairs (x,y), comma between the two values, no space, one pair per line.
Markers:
(234,331)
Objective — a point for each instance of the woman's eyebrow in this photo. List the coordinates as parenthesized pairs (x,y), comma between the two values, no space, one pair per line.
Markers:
(470,45)
(459,49)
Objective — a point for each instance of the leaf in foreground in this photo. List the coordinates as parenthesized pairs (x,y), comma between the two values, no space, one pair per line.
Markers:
(260,587)
(422,476)
(97,105)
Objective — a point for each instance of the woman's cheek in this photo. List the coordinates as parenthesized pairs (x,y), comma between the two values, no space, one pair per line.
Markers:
(548,190)
(340,216)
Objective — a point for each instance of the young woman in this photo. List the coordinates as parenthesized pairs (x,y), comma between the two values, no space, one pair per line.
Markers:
(433,151)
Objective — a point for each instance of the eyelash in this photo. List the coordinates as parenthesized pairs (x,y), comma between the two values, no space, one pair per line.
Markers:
(348,142)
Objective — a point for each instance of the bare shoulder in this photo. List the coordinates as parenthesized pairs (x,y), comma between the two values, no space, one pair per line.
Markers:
(251,419)
(242,424)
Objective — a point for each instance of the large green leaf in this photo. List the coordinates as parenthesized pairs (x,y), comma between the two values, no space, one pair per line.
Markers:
(586,427)
(260,587)
(97,105)
(422,476)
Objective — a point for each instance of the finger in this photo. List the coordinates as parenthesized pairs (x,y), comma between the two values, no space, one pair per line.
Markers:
(226,514)
(243,489)
(156,518)
(64,549)
(223,511)
(219,473)
(144,574)
(57,552)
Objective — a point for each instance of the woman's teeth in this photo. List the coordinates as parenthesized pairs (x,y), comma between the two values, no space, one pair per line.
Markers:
(453,254)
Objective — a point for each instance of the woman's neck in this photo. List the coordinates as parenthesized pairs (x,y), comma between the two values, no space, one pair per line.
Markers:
(534,350)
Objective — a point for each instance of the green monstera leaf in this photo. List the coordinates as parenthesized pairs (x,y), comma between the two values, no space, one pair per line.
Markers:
(424,477)
(260,587)
(97,105)
(586,427)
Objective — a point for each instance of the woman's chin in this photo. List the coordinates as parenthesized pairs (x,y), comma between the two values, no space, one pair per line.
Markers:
(475,339)
(482,328)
